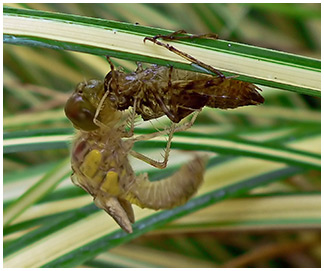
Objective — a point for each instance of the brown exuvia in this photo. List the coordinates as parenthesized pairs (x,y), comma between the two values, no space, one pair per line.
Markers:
(159,90)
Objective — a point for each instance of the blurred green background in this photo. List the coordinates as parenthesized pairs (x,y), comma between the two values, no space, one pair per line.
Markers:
(37,82)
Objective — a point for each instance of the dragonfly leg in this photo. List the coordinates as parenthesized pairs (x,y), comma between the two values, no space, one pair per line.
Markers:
(174,128)
(139,67)
(98,110)
(111,76)
(190,58)
(179,128)
(131,120)
(177,36)
(112,67)
(185,126)
(154,163)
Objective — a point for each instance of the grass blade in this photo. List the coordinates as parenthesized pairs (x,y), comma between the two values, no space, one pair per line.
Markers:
(122,40)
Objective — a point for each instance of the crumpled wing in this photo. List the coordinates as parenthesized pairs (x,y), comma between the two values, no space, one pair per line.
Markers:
(116,210)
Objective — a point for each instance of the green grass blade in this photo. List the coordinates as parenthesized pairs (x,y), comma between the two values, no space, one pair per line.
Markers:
(90,236)
(43,187)
(29,119)
(186,140)
(254,212)
(122,40)
(37,140)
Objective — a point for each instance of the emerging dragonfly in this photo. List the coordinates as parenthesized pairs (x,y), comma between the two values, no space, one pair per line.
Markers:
(158,90)
(100,159)
(102,145)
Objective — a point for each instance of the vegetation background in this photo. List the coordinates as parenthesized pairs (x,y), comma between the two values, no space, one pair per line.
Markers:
(264,220)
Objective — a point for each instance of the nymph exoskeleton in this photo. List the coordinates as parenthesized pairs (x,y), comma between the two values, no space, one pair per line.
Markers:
(159,90)
(100,159)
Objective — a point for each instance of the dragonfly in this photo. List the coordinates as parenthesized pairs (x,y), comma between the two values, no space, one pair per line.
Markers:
(100,159)
(104,141)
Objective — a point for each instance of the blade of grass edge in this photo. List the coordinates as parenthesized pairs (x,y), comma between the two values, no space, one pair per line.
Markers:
(151,221)
(23,28)
(45,184)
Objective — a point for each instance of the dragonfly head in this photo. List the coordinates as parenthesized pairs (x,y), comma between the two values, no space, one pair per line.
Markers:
(81,107)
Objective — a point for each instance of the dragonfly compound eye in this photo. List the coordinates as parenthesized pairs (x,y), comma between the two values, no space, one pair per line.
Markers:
(80,112)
